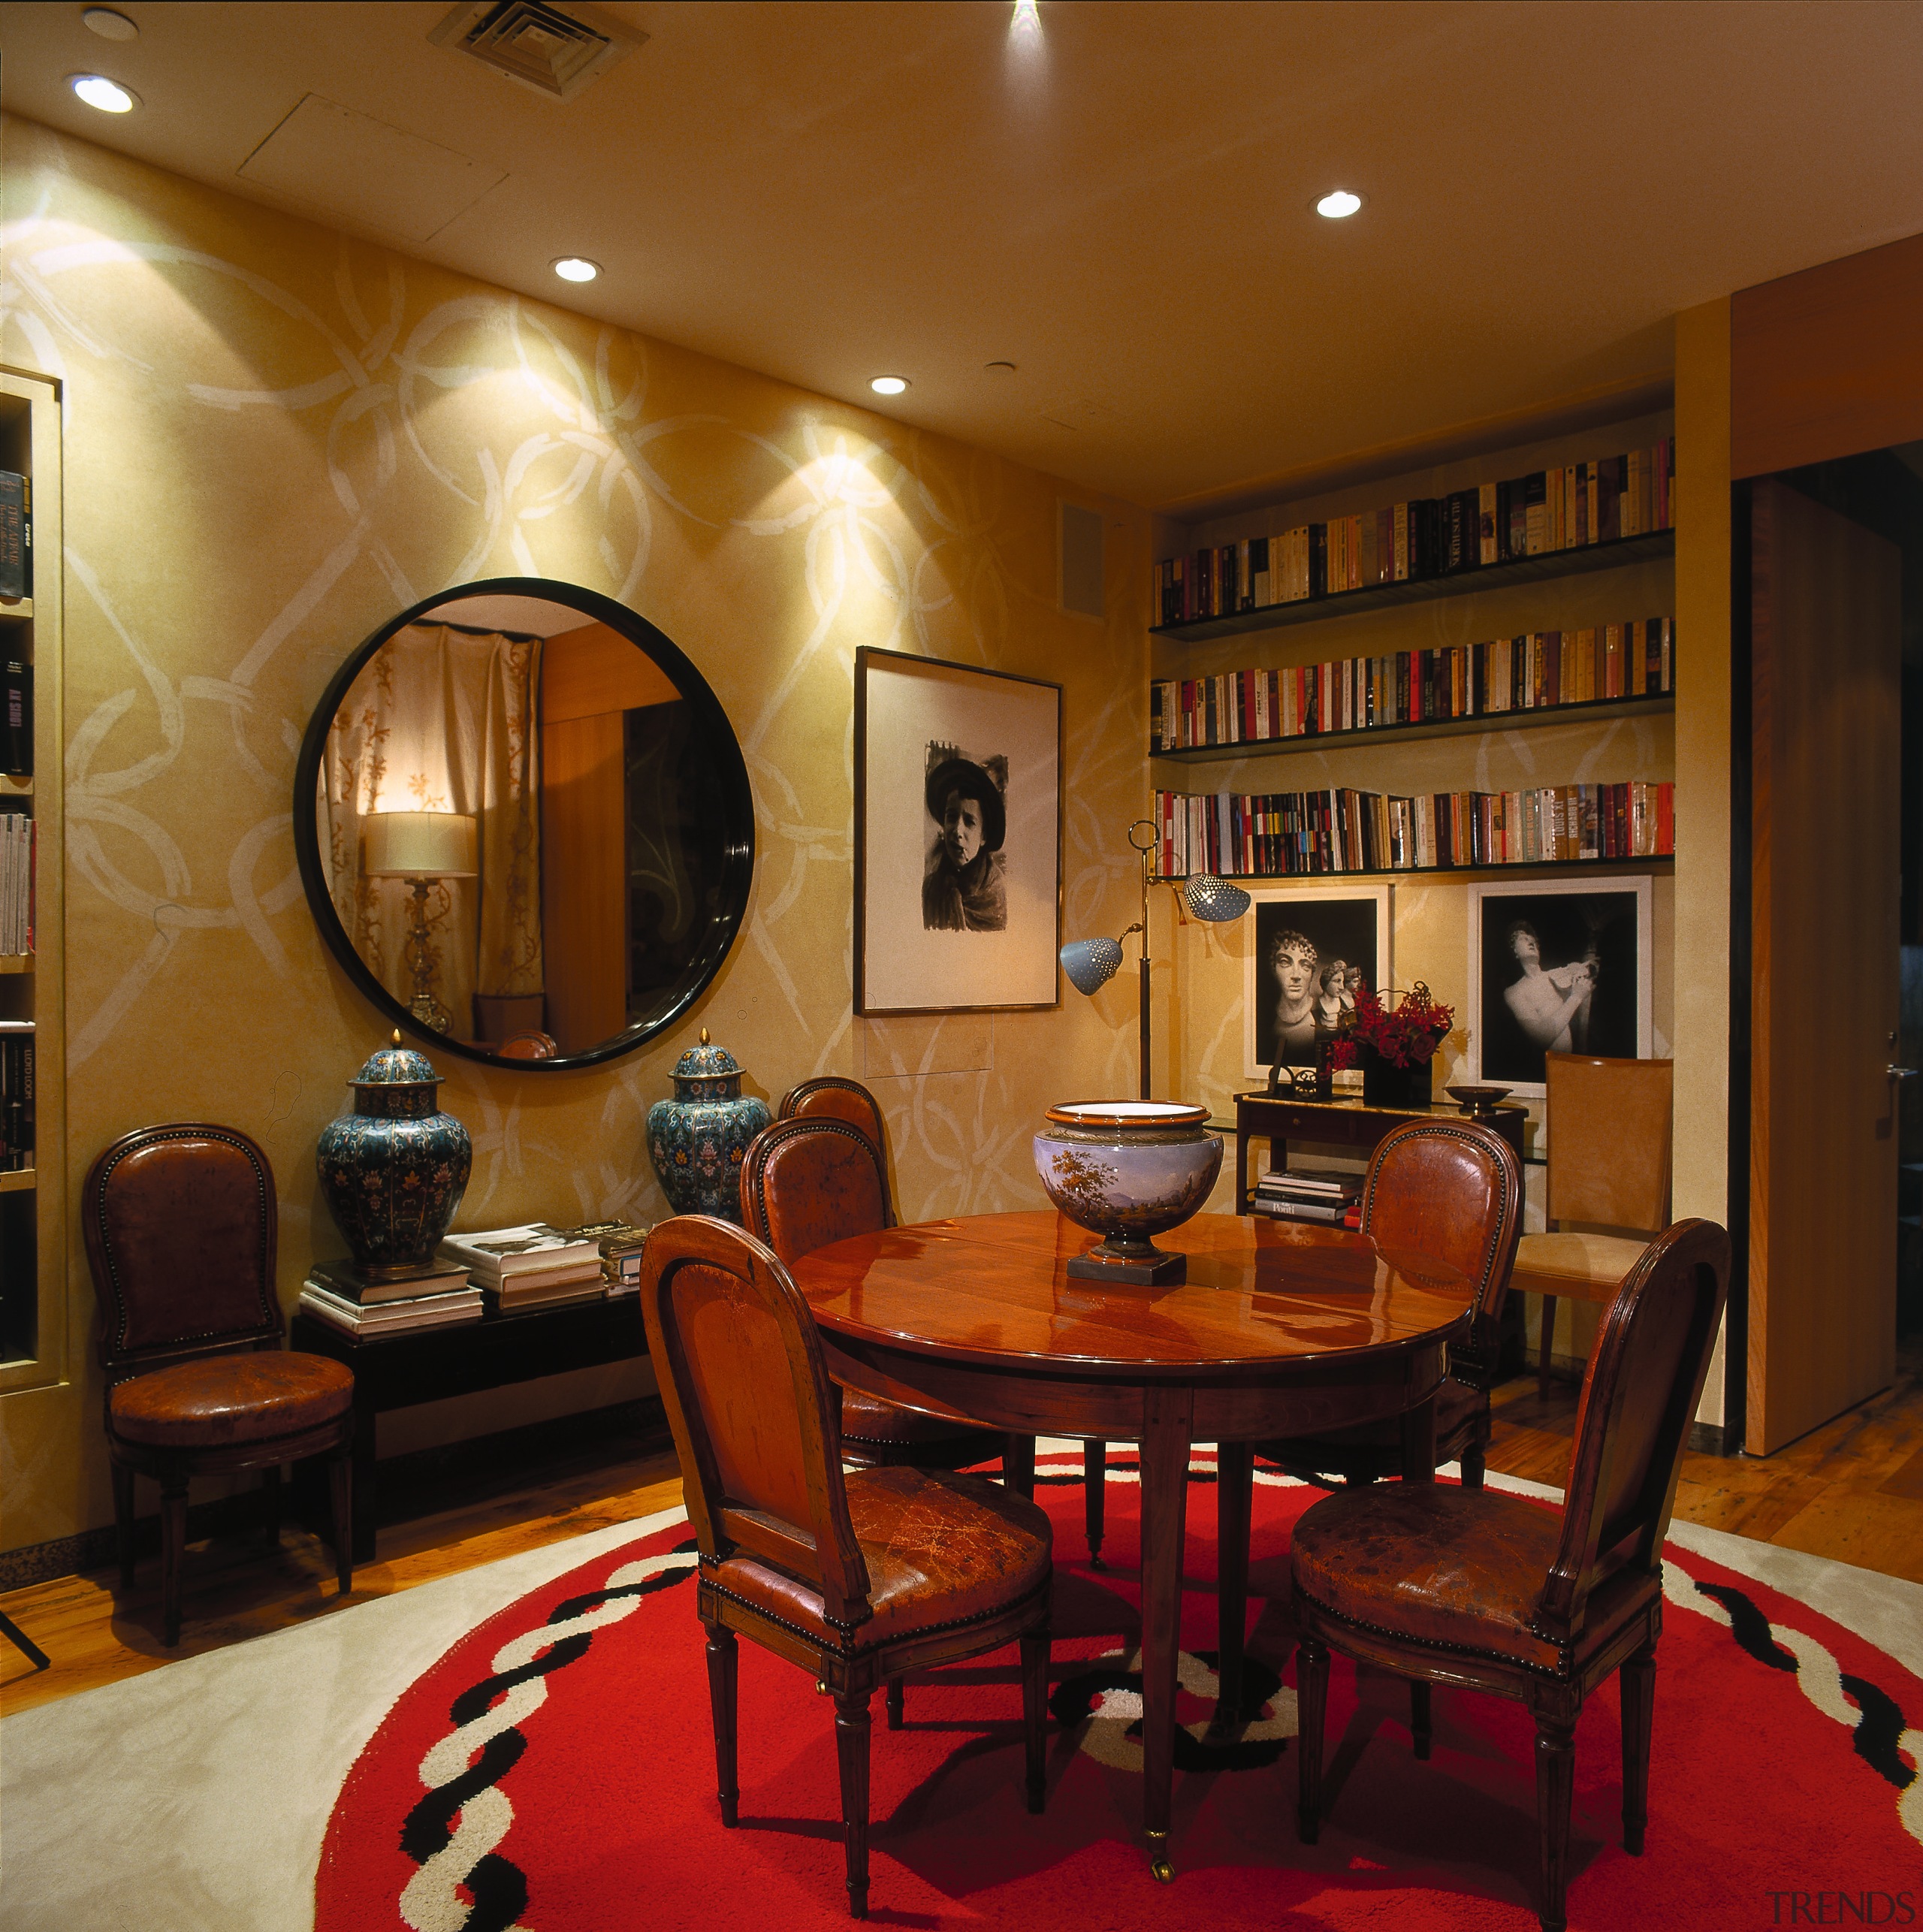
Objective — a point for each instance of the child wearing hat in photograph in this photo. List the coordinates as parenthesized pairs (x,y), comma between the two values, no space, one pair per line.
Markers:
(965,888)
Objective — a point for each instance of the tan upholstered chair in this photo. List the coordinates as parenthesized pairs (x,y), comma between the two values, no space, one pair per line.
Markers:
(1609,1163)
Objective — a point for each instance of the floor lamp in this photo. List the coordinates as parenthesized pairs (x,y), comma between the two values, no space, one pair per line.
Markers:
(1090,963)
(423,848)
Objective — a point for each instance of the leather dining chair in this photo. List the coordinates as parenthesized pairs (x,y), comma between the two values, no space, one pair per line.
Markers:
(817,1178)
(864,1419)
(181,1225)
(856,1577)
(1489,1591)
(529,1043)
(1610,1145)
(1453,1190)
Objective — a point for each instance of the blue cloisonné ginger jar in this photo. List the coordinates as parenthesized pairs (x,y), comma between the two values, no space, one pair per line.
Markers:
(697,1139)
(394,1170)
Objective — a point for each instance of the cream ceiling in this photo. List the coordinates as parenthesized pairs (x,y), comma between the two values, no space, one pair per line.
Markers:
(827,191)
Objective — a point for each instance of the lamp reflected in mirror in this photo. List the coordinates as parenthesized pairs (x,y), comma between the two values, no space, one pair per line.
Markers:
(424,848)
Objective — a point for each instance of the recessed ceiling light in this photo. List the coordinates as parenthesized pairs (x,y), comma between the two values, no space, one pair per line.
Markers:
(109,96)
(575,268)
(109,25)
(889,386)
(1339,206)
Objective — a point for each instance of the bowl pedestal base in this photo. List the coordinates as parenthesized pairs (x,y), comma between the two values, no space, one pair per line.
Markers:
(1139,1263)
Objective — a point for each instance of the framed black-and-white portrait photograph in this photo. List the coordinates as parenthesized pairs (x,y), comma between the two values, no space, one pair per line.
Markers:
(958,836)
(1558,966)
(1315,950)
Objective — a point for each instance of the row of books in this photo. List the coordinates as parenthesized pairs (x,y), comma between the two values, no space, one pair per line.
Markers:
(1533,672)
(1535,515)
(1285,834)
(16,535)
(490,1272)
(16,1039)
(1333,1199)
(17,846)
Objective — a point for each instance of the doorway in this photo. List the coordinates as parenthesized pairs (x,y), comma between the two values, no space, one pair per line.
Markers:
(1833,580)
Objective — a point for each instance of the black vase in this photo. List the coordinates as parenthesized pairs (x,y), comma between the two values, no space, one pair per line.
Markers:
(1384,1085)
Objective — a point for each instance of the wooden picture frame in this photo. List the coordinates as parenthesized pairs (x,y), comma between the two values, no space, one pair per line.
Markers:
(958,912)
(1601,926)
(1351,923)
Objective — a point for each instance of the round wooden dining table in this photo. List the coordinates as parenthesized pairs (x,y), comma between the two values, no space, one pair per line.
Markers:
(1282,1329)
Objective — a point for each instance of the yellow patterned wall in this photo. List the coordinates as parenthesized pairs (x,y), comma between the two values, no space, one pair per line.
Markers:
(275,437)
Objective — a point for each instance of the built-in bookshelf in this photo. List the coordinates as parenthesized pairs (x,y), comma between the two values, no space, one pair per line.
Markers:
(1603,514)
(33,1165)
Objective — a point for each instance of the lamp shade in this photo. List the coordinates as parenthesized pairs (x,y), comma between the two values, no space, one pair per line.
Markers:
(1090,963)
(418,845)
(1215,900)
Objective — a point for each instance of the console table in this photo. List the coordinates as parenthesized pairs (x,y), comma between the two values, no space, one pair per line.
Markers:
(399,1371)
(1279,1118)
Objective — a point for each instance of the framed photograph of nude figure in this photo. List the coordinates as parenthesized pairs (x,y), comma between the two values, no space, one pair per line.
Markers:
(1556,966)
(957,837)
(1315,949)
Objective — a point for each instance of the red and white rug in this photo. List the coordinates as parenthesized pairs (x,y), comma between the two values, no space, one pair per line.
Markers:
(529,1746)
(555,1769)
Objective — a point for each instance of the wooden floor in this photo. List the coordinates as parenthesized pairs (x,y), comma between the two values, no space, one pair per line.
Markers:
(1852,1490)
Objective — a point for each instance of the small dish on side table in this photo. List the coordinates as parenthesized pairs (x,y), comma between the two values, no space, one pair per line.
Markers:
(1477,1101)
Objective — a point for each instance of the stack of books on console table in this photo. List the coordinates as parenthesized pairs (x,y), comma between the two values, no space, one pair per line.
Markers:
(621,1245)
(1334,1198)
(369,1306)
(519,1269)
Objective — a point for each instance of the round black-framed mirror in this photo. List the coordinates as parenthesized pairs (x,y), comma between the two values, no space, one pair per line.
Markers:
(542,737)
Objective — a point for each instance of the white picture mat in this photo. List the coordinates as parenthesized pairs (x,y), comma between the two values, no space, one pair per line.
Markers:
(1256,986)
(1522,889)
(905,968)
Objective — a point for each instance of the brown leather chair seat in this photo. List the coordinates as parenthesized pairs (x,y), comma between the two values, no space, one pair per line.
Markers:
(868,1419)
(940,1549)
(1457,1407)
(1466,1566)
(250,1398)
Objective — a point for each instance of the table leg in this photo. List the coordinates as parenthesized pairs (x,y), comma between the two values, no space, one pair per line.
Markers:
(1018,1464)
(1241,1170)
(1235,1489)
(1419,1442)
(361,1505)
(1168,1418)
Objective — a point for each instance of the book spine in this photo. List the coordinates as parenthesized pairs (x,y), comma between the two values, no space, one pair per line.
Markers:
(13,536)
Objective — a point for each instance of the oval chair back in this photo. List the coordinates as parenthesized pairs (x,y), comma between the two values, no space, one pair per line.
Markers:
(808,1181)
(752,1409)
(1640,1392)
(1452,1189)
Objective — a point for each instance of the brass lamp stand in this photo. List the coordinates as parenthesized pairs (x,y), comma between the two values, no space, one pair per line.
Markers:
(424,848)
(1090,963)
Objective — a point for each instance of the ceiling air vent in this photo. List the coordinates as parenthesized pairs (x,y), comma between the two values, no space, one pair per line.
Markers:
(557,51)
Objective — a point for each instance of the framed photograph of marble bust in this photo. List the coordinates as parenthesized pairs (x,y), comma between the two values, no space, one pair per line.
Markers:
(1314,948)
(957,837)
(1557,966)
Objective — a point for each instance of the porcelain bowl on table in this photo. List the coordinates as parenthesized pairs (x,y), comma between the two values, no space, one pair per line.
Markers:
(1128,1171)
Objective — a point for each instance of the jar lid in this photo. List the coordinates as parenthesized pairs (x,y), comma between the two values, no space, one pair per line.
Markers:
(396,1066)
(705,1062)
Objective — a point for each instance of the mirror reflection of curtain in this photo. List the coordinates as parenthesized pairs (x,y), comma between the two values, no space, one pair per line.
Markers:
(442,720)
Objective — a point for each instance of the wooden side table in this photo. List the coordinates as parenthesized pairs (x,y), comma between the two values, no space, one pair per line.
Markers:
(398,1371)
(1279,1118)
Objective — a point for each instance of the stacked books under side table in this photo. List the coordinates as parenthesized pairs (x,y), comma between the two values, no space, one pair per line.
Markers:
(518,1269)
(621,1245)
(1330,1198)
(437,1296)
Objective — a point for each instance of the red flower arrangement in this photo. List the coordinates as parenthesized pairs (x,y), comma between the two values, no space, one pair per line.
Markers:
(1404,1036)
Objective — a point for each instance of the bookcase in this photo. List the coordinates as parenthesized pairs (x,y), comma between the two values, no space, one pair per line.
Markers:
(34,1337)
(1467,644)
